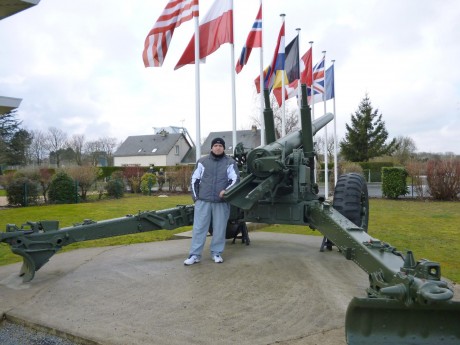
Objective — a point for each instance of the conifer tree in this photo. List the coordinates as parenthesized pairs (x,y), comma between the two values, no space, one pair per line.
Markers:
(366,137)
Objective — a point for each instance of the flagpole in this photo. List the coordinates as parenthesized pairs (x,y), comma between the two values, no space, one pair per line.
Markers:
(261,84)
(326,175)
(232,71)
(312,96)
(311,99)
(335,131)
(197,89)
(298,83)
(283,92)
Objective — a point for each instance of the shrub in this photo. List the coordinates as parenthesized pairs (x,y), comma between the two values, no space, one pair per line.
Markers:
(115,188)
(350,167)
(85,176)
(133,175)
(394,182)
(416,171)
(179,176)
(22,191)
(443,178)
(148,180)
(62,189)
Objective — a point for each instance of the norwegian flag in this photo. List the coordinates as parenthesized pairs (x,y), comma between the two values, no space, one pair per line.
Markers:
(254,40)
(276,65)
(157,41)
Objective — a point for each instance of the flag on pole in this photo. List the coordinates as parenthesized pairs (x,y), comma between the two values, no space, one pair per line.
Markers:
(292,72)
(306,73)
(276,65)
(330,90)
(254,40)
(305,70)
(157,41)
(216,28)
(318,81)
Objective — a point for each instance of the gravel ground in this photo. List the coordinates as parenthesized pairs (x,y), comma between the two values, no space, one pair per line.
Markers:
(13,334)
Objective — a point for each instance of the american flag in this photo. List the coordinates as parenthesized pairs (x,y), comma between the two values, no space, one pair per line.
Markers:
(254,40)
(157,41)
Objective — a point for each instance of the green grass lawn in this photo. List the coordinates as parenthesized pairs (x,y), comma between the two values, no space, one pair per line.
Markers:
(430,229)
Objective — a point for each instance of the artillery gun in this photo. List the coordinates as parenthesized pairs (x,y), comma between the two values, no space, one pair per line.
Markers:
(407,301)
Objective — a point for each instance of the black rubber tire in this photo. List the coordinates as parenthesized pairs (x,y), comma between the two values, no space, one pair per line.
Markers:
(351,199)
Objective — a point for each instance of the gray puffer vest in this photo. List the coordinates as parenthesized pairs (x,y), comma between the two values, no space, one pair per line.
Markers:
(212,175)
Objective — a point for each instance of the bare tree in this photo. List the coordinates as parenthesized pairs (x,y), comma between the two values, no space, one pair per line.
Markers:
(55,141)
(405,149)
(92,150)
(85,176)
(108,146)
(76,143)
(291,119)
(319,146)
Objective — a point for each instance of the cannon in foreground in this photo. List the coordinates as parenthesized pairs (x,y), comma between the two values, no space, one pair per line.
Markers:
(407,301)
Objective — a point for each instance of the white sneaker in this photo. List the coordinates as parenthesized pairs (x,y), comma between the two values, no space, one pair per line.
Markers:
(193,259)
(218,259)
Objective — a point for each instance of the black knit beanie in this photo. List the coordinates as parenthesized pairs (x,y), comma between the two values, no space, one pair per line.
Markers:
(218,141)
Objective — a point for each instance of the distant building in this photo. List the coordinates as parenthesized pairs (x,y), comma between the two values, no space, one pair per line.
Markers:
(9,8)
(166,148)
(249,138)
(8,104)
(162,149)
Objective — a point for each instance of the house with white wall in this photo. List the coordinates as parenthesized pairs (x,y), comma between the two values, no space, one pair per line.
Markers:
(161,149)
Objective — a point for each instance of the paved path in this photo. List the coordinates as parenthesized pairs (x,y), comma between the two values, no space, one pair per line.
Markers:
(280,289)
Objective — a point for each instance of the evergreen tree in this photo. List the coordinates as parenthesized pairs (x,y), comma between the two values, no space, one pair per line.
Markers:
(17,151)
(9,125)
(365,138)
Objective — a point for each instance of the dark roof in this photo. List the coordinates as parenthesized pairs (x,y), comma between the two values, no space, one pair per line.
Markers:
(148,145)
(250,139)
(190,156)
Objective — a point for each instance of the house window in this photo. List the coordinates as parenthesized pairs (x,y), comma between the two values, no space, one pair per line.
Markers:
(177,149)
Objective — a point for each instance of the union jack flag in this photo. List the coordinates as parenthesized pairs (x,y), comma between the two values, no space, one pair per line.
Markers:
(318,77)
(254,40)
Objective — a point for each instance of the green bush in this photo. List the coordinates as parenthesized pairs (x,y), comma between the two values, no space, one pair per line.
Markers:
(62,189)
(373,170)
(394,182)
(22,191)
(115,188)
(108,171)
(148,180)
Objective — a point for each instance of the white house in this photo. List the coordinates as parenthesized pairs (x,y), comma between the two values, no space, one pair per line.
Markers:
(162,149)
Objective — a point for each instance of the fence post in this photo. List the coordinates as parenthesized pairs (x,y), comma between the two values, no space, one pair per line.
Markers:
(76,192)
(25,195)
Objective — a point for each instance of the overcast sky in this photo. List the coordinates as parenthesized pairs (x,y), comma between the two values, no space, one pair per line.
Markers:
(78,66)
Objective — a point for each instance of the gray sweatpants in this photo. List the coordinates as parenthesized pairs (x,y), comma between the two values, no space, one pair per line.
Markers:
(205,211)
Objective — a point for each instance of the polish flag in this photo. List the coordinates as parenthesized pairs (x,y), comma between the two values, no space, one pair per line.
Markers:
(216,28)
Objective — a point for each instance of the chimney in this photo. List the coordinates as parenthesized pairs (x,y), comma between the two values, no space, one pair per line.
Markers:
(254,128)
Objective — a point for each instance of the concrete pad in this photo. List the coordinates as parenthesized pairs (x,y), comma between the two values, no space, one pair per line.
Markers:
(280,289)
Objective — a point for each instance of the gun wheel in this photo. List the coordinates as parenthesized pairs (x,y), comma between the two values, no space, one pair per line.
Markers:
(351,199)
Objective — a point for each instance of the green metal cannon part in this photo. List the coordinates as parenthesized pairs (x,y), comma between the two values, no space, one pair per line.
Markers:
(407,301)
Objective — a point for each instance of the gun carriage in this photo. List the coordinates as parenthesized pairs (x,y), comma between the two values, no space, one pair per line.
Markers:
(407,301)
